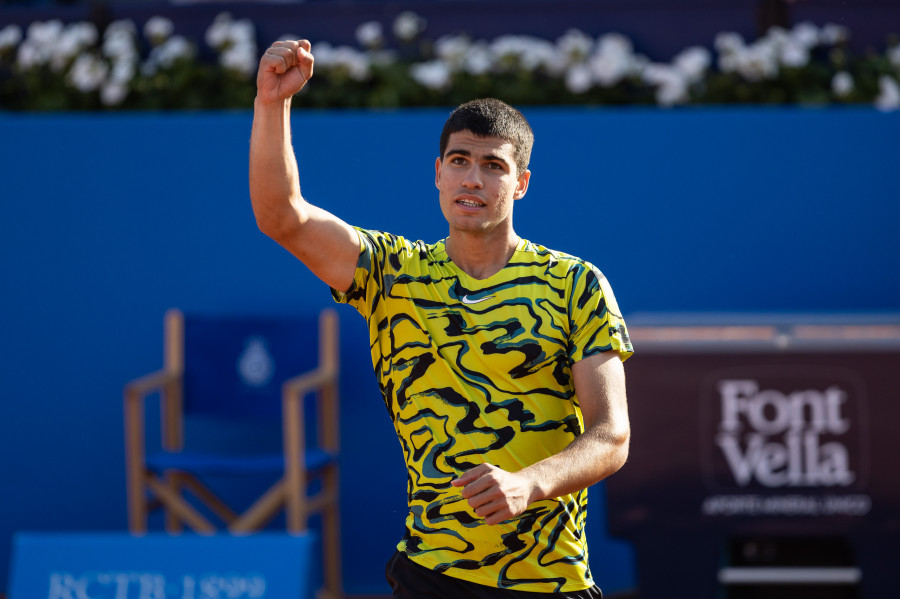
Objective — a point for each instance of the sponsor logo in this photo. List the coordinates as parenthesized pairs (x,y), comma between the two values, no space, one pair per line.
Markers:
(255,365)
(465,299)
(784,441)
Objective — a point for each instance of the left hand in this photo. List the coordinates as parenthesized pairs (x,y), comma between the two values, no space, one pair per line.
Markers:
(495,494)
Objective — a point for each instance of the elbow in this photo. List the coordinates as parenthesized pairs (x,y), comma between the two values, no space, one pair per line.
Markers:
(620,444)
(279,225)
(269,226)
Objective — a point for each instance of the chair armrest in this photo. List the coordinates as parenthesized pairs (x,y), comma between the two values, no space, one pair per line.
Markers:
(302,384)
(150,382)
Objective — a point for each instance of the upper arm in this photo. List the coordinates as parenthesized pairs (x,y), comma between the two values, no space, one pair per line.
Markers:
(327,245)
(599,382)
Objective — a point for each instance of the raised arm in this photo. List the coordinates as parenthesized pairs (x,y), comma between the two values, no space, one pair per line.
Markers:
(497,495)
(322,241)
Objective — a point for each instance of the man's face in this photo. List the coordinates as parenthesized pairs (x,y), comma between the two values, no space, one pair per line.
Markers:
(478,183)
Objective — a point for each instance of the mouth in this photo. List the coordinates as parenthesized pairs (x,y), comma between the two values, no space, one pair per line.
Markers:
(469,202)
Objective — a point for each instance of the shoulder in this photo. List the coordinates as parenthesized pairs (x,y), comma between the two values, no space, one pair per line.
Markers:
(557,262)
(390,244)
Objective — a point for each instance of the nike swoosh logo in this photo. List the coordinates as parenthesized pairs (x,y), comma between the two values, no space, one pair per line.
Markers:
(465,299)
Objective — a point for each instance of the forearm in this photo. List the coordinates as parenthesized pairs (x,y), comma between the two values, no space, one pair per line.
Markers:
(274,178)
(596,454)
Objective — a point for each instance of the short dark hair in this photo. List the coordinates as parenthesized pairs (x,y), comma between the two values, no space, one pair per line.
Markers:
(490,117)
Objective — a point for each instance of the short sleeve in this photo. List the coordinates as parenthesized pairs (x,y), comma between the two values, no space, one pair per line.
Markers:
(375,270)
(596,323)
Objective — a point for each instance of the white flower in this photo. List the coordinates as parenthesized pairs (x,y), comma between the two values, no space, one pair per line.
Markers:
(167,54)
(242,32)
(158,29)
(433,74)
(31,55)
(575,46)
(776,37)
(893,55)
(452,49)
(508,51)
(615,43)
(240,58)
(113,94)
(219,32)
(121,27)
(693,63)
(45,32)
(408,25)
(542,54)
(175,48)
(729,42)
(728,63)
(120,46)
(794,54)
(671,84)
(39,46)
(612,60)
(123,71)
(88,73)
(370,35)
(842,84)
(889,96)
(478,59)
(119,41)
(579,79)
(74,39)
(758,62)
(10,36)
(525,52)
(806,34)
(832,34)
(356,63)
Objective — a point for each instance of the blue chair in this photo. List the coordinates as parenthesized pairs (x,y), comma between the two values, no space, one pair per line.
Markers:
(243,369)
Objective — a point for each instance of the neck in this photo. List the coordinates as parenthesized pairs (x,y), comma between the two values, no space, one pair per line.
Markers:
(480,258)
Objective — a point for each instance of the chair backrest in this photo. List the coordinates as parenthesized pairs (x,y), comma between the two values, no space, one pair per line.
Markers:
(234,367)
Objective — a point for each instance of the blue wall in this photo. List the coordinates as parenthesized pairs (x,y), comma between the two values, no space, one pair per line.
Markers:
(109,220)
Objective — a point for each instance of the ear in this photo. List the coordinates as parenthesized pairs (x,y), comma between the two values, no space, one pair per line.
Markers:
(522,185)
(437,172)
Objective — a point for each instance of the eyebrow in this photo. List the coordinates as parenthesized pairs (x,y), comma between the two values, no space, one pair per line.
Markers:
(468,154)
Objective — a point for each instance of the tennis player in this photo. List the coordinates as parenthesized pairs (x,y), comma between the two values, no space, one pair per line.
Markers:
(500,361)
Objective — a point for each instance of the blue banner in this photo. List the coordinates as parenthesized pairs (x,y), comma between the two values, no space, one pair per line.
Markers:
(159,566)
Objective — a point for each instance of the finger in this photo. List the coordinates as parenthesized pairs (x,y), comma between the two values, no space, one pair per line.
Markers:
(305,44)
(493,512)
(291,44)
(470,475)
(279,59)
(483,484)
(498,517)
(305,60)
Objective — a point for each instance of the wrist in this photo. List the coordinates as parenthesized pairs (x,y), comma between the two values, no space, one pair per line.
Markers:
(278,104)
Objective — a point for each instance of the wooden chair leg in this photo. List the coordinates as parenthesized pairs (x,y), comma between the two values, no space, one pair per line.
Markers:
(178,506)
(173,480)
(134,462)
(331,551)
(262,510)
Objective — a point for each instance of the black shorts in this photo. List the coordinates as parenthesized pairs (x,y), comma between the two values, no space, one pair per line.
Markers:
(409,580)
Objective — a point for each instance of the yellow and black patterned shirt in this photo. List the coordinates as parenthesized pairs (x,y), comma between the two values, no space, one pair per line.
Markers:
(479,371)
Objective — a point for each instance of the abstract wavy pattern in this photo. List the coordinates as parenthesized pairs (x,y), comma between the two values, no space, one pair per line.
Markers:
(479,371)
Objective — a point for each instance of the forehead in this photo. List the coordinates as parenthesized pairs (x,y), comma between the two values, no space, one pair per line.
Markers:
(478,146)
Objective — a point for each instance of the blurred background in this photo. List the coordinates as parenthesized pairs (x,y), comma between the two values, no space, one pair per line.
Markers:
(731,167)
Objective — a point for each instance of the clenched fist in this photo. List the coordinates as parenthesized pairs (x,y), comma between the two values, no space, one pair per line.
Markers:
(283,70)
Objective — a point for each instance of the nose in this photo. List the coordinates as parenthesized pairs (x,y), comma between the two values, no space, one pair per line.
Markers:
(472,178)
